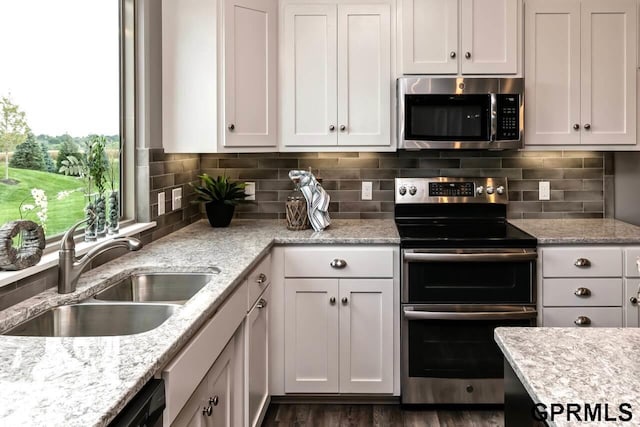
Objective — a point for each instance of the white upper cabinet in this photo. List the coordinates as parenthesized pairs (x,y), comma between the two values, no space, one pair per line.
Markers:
(336,77)
(461,37)
(189,71)
(219,75)
(250,98)
(580,64)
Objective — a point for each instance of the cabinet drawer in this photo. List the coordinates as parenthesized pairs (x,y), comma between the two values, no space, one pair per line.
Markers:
(595,292)
(599,262)
(258,280)
(609,317)
(631,256)
(347,261)
(183,374)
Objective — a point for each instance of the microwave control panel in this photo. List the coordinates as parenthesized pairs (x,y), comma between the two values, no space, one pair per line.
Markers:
(508,117)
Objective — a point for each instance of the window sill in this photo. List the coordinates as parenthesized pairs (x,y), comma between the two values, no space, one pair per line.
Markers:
(51,259)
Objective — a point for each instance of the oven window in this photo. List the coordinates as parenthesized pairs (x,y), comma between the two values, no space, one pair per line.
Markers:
(456,348)
(469,282)
(447,117)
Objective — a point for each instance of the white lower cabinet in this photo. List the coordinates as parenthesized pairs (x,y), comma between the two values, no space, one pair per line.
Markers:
(339,335)
(256,359)
(212,402)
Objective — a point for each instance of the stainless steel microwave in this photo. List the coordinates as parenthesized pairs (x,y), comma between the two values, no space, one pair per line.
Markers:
(460,113)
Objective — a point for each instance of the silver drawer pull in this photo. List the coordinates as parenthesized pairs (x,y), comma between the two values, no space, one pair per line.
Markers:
(582,263)
(338,263)
(582,292)
(262,278)
(582,321)
(262,303)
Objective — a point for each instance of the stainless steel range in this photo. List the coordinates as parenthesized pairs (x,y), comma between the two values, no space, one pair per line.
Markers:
(465,271)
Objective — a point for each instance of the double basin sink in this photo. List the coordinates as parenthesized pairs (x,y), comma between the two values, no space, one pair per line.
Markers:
(138,303)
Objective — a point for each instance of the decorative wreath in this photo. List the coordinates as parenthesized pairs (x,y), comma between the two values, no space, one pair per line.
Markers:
(29,253)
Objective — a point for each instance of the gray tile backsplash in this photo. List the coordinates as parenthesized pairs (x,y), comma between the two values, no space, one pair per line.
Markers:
(578,179)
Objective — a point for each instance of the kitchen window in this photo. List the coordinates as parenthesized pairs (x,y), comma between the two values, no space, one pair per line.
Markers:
(66,79)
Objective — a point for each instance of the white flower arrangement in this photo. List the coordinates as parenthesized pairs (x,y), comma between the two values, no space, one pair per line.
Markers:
(40,206)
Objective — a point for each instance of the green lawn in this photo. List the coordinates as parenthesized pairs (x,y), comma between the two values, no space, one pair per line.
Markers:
(61,213)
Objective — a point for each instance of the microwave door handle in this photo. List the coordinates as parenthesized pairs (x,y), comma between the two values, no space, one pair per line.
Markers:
(479,315)
(494,118)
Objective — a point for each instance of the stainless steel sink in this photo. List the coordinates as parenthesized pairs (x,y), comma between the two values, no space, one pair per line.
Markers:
(174,288)
(95,320)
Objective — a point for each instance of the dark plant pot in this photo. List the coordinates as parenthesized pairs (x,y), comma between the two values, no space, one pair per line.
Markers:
(219,214)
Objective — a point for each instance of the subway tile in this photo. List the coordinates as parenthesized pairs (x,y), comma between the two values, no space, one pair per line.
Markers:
(238,163)
(162,181)
(525,163)
(253,174)
(562,163)
(396,163)
(22,293)
(530,196)
(209,163)
(581,215)
(414,173)
(345,196)
(542,215)
(609,200)
(384,196)
(521,184)
(481,163)
(277,163)
(545,174)
(156,168)
(594,162)
(515,196)
(387,184)
(268,184)
(272,207)
(344,215)
(525,207)
(582,173)
(173,167)
(219,156)
(566,184)
(367,174)
(341,173)
(360,206)
(541,153)
(376,215)
(581,196)
(305,164)
(266,196)
(593,206)
(439,163)
(562,206)
(358,163)
(582,154)
(337,155)
(609,163)
(299,155)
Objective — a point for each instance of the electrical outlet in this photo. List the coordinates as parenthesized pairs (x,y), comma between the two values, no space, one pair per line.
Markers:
(161,203)
(367,190)
(250,190)
(176,199)
(544,190)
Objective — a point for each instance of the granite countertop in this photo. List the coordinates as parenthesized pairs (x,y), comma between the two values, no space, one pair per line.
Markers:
(580,231)
(576,365)
(87,381)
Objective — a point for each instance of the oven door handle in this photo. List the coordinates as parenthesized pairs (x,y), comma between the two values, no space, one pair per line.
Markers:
(470,257)
(477,315)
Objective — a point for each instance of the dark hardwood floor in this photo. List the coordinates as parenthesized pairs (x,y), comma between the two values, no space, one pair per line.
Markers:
(299,415)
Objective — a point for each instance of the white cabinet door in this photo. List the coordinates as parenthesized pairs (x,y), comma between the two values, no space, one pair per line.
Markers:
(609,53)
(211,403)
(364,75)
(189,76)
(366,336)
(309,77)
(430,36)
(257,359)
(552,67)
(250,33)
(489,31)
(311,335)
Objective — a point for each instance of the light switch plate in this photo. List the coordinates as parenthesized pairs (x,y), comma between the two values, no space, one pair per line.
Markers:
(544,190)
(176,198)
(250,190)
(161,203)
(367,190)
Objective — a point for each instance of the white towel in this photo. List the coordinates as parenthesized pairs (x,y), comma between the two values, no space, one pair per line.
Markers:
(317,199)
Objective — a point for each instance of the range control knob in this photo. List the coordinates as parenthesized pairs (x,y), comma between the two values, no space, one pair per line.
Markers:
(413,190)
(480,189)
(490,190)
(402,190)
(500,190)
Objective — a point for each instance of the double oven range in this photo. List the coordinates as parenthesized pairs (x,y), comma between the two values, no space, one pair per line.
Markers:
(465,271)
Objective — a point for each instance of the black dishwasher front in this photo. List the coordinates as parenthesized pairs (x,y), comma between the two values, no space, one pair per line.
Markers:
(145,409)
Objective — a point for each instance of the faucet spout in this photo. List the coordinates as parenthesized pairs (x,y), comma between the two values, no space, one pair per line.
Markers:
(72,267)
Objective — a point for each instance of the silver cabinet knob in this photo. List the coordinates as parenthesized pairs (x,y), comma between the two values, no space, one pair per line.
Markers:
(467,55)
(208,410)
(576,126)
(500,190)
(345,300)
(332,128)
(452,54)
(262,303)
(232,127)
(338,263)
(587,126)
(633,300)
(582,263)
(582,321)
(343,128)
(262,278)
(214,401)
(332,300)
(582,292)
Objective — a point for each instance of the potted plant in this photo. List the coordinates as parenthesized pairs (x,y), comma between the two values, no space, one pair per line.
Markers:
(220,197)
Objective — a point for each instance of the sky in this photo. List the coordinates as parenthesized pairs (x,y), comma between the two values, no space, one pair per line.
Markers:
(59,63)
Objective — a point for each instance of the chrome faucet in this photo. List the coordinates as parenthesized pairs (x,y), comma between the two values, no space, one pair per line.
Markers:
(71,267)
